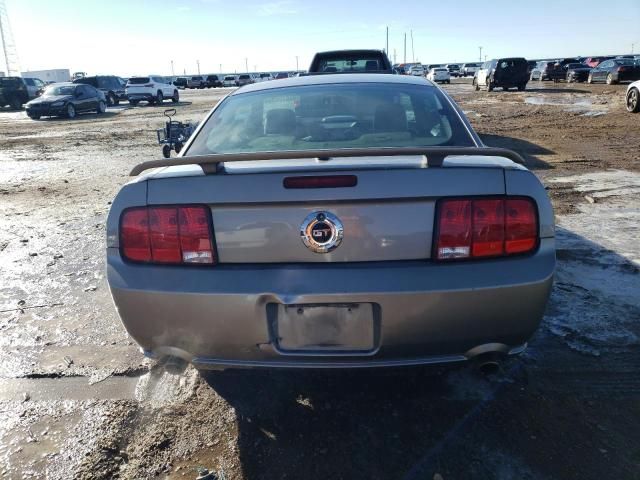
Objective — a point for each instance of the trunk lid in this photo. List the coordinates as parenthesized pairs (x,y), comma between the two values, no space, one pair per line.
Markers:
(388,215)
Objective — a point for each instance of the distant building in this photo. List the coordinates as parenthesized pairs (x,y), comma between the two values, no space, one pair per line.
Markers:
(54,75)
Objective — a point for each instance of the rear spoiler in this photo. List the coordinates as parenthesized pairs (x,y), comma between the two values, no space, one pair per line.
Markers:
(434,155)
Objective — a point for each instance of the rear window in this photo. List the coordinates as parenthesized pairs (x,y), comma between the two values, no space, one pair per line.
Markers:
(512,64)
(9,82)
(244,77)
(139,80)
(229,78)
(341,65)
(331,116)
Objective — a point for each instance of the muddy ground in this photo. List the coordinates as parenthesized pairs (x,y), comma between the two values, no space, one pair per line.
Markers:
(77,399)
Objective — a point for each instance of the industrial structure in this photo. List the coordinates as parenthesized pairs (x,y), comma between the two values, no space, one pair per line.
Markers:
(9,51)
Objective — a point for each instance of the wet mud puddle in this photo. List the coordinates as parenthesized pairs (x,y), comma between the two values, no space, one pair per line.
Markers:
(582,106)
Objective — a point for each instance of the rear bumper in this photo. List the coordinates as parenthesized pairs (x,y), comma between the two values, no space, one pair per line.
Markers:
(425,313)
(140,96)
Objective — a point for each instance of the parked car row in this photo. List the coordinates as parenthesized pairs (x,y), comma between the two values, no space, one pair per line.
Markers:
(215,81)
(592,69)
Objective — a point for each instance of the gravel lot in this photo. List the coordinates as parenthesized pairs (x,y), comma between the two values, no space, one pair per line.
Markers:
(77,399)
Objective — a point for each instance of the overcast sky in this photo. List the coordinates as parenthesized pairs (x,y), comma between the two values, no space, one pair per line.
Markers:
(127,37)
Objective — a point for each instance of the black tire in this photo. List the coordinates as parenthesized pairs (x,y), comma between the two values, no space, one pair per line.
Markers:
(489,85)
(610,80)
(521,87)
(159,98)
(134,102)
(166,151)
(111,99)
(15,103)
(633,100)
(176,96)
(178,146)
(102,107)
(474,82)
(34,116)
(590,79)
(505,89)
(71,111)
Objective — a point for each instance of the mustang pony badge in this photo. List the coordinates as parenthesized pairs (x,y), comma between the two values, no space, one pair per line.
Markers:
(321,232)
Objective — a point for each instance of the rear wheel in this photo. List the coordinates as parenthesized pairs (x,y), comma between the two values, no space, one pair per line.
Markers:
(610,80)
(474,82)
(15,103)
(111,99)
(176,97)
(159,98)
(71,111)
(521,87)
(166,151)
(102,107)
(134,102)
(633,100)
(34,116)
(489,85)
(590,79)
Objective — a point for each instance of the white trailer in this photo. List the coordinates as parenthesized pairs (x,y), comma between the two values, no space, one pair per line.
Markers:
(54,75)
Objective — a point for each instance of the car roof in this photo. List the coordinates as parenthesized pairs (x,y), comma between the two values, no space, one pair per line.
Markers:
(349,50)
(342,78)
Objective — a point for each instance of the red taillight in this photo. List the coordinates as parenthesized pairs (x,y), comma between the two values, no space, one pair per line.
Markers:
(134,235)
(454,234)
(521,228)
(488,227)
(171,235)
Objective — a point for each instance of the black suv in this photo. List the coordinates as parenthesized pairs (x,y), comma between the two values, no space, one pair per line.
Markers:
(213,81)
(13,92)
(110,85)
(502,72)
(351,61)
(181,82)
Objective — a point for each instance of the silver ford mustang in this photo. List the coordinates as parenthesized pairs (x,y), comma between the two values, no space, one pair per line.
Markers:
(332,221)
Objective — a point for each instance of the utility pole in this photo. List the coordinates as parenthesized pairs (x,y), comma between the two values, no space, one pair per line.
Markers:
(198,62)
(632,46)
(246,64)
(480,53)
(485,58)
(297,63)
(413,53)
(220,68)
(405,47)
(173,74)
(387,50)
(394,55)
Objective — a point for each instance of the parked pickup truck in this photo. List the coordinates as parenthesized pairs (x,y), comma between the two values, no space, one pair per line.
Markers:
(332,221)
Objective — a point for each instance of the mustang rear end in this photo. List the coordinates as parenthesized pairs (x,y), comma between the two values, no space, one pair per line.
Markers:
(334,221)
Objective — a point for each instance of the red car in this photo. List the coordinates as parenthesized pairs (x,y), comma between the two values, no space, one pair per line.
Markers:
(593,62)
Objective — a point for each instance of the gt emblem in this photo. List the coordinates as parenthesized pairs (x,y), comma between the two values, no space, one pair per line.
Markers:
(321,232)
